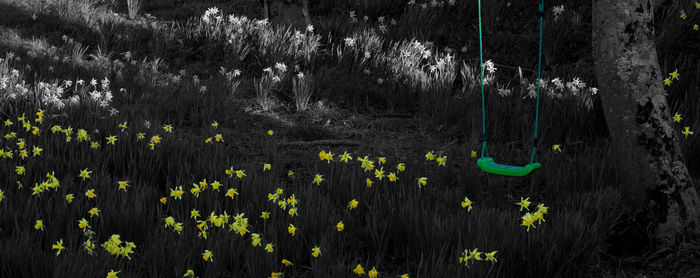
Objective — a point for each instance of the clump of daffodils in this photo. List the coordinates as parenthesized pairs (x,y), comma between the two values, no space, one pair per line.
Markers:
(529,219)
(476,255)
(113,246)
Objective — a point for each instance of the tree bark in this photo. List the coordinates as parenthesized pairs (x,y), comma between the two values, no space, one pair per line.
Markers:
(649,166)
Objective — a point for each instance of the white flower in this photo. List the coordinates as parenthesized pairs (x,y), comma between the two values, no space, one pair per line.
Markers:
(147,124)
(81,82)
(236,72)
(452,2)
(367,55)
(464,49)
(202,89)
(426,54)
(268,69)
(558,10)
(113,111)
(93,82)
(211,12)
(349,42)
(578,83)
(380,19)
(424,6)
(411,2)
(380,81)
(393,22)
(490,67)
(281,67)
(14,73)
(503,92)
(276,79)
(594,90)
(300,75)
(382,28)
(310,28)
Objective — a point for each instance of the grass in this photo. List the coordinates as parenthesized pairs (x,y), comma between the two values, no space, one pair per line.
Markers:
(244,74)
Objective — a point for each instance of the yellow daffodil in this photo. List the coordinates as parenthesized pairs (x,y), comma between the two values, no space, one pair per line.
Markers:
(39,225)
(169,221)
(541,208)
(441,160)
(422,181)
(473,154)
(2,195)
(677,117)
(316,251)
(265,215)
(490,256)
(270,132)
(372,273)
(318,179)
(358,270)
(345,157)
(392,177)
(111,140)
(528,221)
(94,145)
(240,174)
(275,275)
(255,239)
(20,170)
(58,246)
(379,173)
(467,203)
(286,262)
(368,182)
(674,74)
(381,160)
(168,128)
(404,276)
(537,216)
(208,256)
(85,174)
(36,151)
(695,27)
(194,214)
(353,204)
(430,156)
(90,194)
(83,224)
(215,124)
(293,211)
(195,190)
(340,226)
(667,81)
(219,138)
(290,173)
(122,126)
(8,122)
(683,16)
(524,203)
(69,198)
(113,274)
(556,148)
(401,167)
(231,192)
(163,200)
(291,229)
(155,139)
(266,167)
(123,185)
(215,185)
(94,211)
(475,254)
(687,132)
(268,248)
(189,273)
(177,193)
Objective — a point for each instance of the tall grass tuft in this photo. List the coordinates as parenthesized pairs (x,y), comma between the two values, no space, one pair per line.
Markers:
(134,7)
(302,86)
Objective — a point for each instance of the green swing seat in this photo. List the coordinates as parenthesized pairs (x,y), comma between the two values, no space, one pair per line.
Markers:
(489,166)
(486,163)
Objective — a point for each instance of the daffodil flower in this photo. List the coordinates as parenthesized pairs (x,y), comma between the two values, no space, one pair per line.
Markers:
(215,124)
(372,273)
(353,204)
(316,251)
(318,179)
(528,221)
(231,193)
(269,248)
(467,204)
(677,117)
(401,167)
(340,226)
(265,215)
(524,203)
(270,132)
(286,262)
(687,132)
(667,81)
(266,167)
(291,229)
(194,214)
(392,177)
(208,256)
(39,225)
(168,128)
(430,156)
(111,139)
(490,256)
(58,246)
(381,160)
(189,273)
(422,181)
(345,157)
(123,185)
(94,211)
(359,270)
(441,160)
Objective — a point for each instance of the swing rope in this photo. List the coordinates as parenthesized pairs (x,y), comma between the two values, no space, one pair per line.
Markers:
(486,163)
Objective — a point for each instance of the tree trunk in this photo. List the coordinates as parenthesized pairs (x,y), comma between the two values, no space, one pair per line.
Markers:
(287,12)
(649,166)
